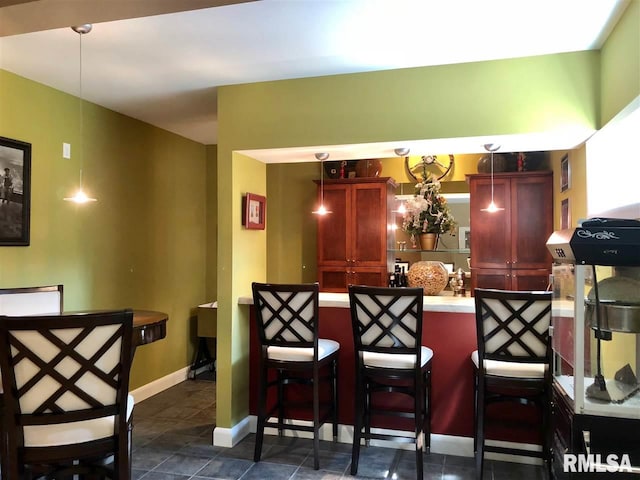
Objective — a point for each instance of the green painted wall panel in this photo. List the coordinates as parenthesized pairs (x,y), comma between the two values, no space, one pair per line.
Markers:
(142,245)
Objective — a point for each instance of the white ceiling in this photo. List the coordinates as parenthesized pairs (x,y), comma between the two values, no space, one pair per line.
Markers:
(164,69)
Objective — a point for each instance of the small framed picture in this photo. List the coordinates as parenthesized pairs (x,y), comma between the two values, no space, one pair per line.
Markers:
(254,211)
(565,173)
(464,238)
(15,192)
(565,214)
(402,265)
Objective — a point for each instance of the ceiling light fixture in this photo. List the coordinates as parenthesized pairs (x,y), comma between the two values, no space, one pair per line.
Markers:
(322,156)
(491,208)
(80,196)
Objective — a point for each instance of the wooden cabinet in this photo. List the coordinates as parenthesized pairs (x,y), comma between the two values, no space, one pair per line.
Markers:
(353,240)
(508,247)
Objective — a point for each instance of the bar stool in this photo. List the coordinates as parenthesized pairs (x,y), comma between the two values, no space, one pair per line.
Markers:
(287,321)
(389,357)
(515,347)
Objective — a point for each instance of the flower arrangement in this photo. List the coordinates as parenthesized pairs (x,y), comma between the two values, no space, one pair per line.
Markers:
(427,211)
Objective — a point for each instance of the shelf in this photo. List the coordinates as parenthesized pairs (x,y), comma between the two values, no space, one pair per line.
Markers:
(440,250)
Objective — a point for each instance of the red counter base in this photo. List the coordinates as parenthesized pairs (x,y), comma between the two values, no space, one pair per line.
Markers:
(451,336)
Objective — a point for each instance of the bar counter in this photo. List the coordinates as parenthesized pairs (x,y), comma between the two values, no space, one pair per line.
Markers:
(449,330)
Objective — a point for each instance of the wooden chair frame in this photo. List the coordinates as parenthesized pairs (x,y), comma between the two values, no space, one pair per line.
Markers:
(506,342)
(63,335)
(394,330)
(281,324)
(26,293)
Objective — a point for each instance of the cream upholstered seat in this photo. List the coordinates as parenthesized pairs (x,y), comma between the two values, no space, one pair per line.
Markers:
(66,400)
(389,359)
(510,369)
(512,362)
(287,323)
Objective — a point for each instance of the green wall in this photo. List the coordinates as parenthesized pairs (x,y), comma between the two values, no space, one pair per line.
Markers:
(535,94)
(142,245)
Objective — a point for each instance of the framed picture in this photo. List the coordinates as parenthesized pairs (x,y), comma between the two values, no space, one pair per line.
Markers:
(15,192)
(402,265)
(565,173)
(464,238)
(254,211)
(565,214)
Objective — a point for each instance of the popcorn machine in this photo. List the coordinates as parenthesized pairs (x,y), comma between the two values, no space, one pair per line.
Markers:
(596,339)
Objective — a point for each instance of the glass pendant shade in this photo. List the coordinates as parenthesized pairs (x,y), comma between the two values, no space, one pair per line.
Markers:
(80,196)
(321,210)
(492,207)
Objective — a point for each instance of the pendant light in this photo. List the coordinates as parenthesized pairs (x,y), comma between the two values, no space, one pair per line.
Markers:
(401,152)
(80,196)
(322,156)
(491,208)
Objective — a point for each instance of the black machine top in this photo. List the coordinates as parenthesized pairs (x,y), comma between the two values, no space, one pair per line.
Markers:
(598,241)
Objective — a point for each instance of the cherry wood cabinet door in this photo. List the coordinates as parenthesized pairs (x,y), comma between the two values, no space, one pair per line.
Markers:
(490,231)
(524,279)
(333,228)
(368,226)
(531,221)
(508,247)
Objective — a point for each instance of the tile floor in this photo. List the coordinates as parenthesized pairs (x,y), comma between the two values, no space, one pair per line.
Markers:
(172,441)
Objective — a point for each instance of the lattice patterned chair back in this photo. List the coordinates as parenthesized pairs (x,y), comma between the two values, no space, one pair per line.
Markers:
(287,314)
(387,323)
(66,389)
(513,326)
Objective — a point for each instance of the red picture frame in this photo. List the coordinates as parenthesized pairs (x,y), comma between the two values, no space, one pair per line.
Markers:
(254,209)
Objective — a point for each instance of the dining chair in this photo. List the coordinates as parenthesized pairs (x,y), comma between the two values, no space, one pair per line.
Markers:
(390,358)
(67,410)
(25,301)
(287,321)
(512,363)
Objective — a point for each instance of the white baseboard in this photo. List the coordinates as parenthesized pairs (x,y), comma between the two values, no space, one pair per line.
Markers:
(159,385)
(443,444)
(229,437)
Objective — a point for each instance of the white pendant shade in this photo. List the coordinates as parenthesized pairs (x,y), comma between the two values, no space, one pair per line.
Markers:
(80,197)
(492,207)
(321,210)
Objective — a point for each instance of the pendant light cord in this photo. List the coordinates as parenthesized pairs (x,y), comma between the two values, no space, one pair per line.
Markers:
(80,34)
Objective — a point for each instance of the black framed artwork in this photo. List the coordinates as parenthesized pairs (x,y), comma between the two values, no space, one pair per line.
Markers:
(565,174)
(15,192)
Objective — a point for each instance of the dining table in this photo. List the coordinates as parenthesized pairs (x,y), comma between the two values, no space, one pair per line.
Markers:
(148,326)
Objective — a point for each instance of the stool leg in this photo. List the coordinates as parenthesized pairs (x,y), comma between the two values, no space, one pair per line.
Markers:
(427,411)
(316,417)
(418,409)
(481,407)
(334,384)
(281,400)
(357,422)
(262,398)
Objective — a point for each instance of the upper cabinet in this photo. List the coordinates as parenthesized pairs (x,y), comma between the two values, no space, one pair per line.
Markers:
(509,246)
(353,240)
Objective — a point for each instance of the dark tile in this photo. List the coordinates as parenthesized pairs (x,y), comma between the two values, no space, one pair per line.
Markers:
(509,470)
(310,474)
(460,461)
(183,464)
(147,458)
(336,462)
(165,476)
(137,474)
(224,468)
(454,472)
(172,442)
(265,470)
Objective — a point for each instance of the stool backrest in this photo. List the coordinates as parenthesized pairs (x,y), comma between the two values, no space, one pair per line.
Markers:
(386,320)
(31,300)
(513,326)
(286,314)
(64,368)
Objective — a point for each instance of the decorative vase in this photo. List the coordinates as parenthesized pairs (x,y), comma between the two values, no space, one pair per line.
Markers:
(431,276)
(369,168)
(428,241)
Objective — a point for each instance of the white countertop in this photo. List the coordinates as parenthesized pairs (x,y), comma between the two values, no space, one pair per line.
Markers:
(439,303)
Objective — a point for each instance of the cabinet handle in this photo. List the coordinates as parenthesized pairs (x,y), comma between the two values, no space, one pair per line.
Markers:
(514,262)
(508,262)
